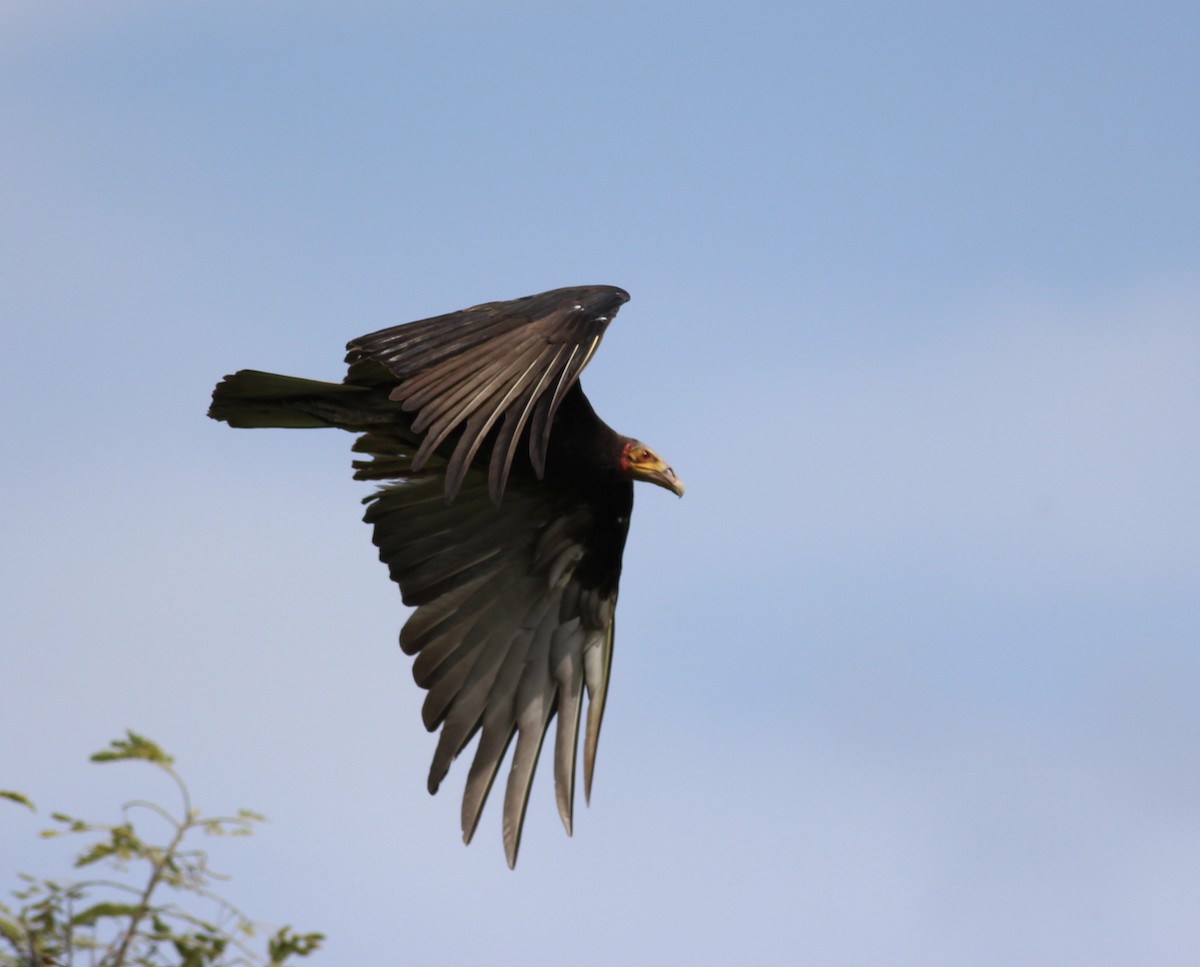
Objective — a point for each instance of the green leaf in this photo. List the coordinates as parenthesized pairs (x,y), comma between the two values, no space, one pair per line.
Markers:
(98,910)
(11,931)
(285,943)
(134,746)
(17,798)
(122,845)
(73,825)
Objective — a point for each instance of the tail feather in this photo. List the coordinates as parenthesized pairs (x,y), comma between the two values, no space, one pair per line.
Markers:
(250,398)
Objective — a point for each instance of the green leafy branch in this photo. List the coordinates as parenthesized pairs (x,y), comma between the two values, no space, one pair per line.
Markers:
(121,924)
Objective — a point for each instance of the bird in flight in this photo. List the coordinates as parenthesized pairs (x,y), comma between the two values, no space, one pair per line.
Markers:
(502,517)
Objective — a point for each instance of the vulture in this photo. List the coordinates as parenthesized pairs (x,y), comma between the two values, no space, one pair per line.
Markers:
(502,515)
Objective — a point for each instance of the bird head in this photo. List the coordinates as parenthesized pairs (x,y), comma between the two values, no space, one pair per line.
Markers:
(639,462)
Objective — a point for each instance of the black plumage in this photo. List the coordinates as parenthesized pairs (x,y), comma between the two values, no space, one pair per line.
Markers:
(511,564)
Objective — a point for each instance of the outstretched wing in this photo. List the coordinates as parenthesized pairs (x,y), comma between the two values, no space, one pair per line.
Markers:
(461,372)
(514,616)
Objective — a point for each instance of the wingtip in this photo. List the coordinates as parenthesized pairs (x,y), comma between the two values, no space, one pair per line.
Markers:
(434,780)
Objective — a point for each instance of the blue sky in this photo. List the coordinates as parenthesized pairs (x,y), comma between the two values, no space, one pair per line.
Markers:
(911,674)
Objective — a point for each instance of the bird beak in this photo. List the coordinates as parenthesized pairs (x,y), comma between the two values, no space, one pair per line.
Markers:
(651,467)
(664,476)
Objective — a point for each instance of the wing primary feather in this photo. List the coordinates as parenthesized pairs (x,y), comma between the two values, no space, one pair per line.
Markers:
(415,346)
(539,430)
(450,414)
(473,435)
(478,695)
(499,725)
(432,618)
(457,640)
(493,744)
(535,705)
(461,722)
(445,686)
(505,447)
(597,661)
(436,389)
(480,382)
(500,718)
(539,442)
(568,673)
(462,697)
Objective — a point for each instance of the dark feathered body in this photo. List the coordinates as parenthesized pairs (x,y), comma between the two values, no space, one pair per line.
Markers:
(512,564)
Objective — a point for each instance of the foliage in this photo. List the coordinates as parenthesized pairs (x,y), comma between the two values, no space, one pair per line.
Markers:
(112,922)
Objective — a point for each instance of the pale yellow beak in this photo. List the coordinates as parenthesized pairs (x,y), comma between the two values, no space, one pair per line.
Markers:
(659,473)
